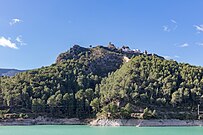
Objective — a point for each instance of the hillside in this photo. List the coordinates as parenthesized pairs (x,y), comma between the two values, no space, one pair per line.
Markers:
(63,89)
(104,82)
(159,88)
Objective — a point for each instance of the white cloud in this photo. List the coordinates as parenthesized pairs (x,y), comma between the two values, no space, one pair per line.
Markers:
(184,45)
(200,44)
(20,40)
(7,43)
(173,21)
(166,28)
(199,28)
(172,26)
(14,21)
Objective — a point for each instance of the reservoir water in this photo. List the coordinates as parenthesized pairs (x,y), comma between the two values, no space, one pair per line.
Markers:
(87,130)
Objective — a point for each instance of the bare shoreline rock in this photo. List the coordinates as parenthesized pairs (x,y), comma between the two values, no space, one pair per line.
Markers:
(146,123)
(101,122)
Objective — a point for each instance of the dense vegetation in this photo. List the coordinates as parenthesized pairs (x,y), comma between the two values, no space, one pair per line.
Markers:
(86,82)
(64,89)
(158,87)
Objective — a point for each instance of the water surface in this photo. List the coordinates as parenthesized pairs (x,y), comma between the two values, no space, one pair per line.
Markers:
(87,130)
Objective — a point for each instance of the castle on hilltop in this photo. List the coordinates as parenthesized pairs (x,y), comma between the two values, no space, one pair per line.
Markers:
(125,49)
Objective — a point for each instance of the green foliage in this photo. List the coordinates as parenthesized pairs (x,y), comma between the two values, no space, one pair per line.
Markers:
(148,114)
(22,115)
(66,88)
(95,104)
(152,82)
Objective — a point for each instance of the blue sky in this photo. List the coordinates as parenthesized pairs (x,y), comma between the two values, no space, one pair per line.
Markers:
(33,33)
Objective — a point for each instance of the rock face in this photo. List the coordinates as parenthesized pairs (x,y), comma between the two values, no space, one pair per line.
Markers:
(73,53)
(146,123)
(99,60)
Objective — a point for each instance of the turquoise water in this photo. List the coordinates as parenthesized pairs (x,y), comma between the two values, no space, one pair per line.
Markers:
(87,130)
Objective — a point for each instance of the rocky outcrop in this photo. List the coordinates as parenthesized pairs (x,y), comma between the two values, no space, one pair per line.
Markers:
(99,60)
(73,53)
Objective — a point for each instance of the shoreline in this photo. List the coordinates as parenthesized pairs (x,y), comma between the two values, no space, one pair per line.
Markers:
(101,122)
(146,123)
(42,121)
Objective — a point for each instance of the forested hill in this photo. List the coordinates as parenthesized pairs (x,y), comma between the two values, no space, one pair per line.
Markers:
(104,82)
(155,87)
(69,84)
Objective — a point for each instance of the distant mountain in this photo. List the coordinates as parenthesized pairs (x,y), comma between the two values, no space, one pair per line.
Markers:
(9,72)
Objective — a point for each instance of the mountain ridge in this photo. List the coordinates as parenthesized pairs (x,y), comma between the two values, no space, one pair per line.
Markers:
(9,72)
